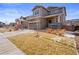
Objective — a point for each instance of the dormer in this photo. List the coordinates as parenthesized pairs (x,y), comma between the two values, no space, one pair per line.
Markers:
(39,11)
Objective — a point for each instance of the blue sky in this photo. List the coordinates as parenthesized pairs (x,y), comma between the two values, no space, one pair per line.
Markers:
(10,11)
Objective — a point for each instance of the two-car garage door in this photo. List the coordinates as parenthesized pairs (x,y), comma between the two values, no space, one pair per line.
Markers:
(32,26)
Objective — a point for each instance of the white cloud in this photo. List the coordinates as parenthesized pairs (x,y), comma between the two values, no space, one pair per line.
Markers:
(10,15)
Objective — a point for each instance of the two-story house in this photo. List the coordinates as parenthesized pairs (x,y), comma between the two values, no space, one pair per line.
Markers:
(44,17)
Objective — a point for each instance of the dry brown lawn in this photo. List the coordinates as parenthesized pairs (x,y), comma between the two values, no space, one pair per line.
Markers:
(44,45)
(6,29)
(3,30)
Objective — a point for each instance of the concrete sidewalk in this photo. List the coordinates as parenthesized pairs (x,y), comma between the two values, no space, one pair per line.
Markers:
(9,34)
(8,48)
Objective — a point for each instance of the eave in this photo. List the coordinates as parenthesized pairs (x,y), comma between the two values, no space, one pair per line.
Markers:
(49,16)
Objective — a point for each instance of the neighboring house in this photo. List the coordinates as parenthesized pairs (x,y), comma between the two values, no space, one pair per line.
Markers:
(72,24)
(2,24)
(44,17)
(12,24)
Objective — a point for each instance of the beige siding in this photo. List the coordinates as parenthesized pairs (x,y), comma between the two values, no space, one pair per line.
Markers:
(24,24)
(43,23)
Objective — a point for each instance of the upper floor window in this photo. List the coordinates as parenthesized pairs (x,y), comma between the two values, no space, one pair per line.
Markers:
(36,12)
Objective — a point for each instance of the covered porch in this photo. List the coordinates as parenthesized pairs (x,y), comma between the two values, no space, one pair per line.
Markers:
(54,21)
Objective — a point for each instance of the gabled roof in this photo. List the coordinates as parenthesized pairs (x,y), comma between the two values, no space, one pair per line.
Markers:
(51,7)
(56,7)
(39,6)
(23,17)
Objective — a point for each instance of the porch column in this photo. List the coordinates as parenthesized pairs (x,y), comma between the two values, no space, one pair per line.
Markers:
(28,25)
(38,25)
(59,20)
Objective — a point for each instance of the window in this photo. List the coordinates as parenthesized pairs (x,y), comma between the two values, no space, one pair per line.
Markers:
(36,12)
(56,19)
(50,21)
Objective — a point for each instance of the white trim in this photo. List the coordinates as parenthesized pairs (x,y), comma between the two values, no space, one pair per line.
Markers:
(52,15)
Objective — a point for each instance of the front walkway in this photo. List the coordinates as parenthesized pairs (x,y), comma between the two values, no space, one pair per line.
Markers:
(7,48)
(9,34)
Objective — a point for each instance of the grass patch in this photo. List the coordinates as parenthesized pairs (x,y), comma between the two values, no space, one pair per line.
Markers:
(6,30)
(3,30)
(31,45)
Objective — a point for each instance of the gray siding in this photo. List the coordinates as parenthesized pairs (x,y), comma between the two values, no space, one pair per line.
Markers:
(41,11)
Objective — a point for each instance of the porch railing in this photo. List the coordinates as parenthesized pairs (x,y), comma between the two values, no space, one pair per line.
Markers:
(55,25)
